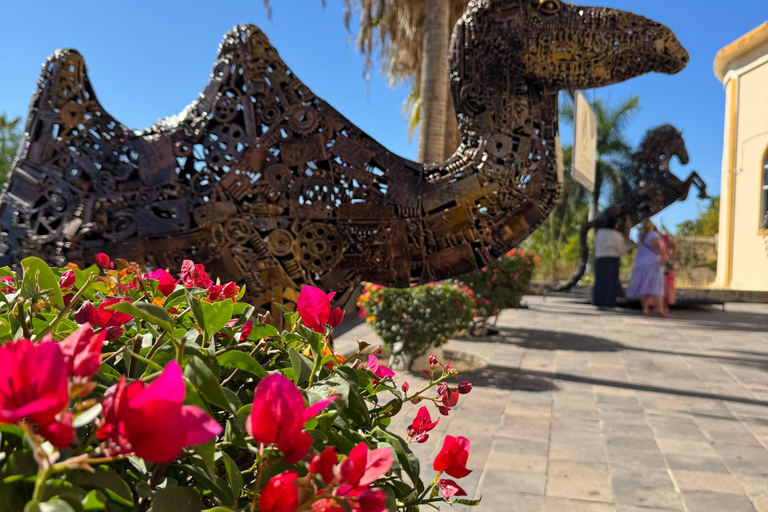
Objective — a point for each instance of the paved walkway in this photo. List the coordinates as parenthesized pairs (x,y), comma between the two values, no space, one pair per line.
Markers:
(584,411)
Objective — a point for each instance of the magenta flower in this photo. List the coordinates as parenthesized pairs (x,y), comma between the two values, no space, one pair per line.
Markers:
(82,351)
(67,280)
(279,414)
(453,457)
(449,488)
(194,275)
(165,281)
(151,421)
(33,386)
(378,369)
(314,307)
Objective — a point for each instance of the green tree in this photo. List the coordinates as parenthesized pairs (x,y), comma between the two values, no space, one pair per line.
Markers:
(707,223)
(613,150)
(10,138)
(555,242)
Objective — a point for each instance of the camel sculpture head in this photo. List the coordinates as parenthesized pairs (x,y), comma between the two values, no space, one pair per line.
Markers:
(267,184)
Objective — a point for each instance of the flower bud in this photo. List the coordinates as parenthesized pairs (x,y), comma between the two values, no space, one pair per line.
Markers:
(465,387)
(433,361)
(405,387)
(416,401)
(444,410)
(86,313)
(67,280)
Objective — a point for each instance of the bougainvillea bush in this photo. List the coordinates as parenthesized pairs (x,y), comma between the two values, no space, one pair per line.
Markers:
(411,321)
(122,390)
(500,285)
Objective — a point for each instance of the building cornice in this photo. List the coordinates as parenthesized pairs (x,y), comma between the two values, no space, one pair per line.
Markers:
(739,48)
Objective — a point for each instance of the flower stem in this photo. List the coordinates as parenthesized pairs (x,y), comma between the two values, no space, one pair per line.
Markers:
(64,312)
(39,492)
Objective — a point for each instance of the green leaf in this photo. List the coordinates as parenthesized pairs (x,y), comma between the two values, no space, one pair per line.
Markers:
(147,312)
(404,455)
(261,331)
(5,328)
(216,315)
(302,366)
(54,505)
(201,376)
(107,481)
(95,500)
(233,475)
(176,499)
(469,503)
(38,276)
(10,499)
(207,451)
(242,361)
(234,435)
(334,385)
(197,310)
(216,485)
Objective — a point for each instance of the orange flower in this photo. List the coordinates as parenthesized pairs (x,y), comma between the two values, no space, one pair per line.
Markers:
(72,266)
(159,301)
(371,319)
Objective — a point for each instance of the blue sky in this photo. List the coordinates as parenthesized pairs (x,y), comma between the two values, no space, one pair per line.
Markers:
(148,60)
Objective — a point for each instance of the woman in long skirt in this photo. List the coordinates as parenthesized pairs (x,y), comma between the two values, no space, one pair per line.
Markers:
(609,247)
(647,281)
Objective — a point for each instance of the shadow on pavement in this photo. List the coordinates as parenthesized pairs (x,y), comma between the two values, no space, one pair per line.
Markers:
(503,377)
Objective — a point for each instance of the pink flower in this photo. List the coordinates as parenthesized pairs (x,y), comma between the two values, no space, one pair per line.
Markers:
(449,488)
(194,275)
(6,288)
(279,414)
(362,313)
(33,384)
(377,369)
(230,291)
(151,421)
(422,424)
(165,281)
(103,261)
(453,457)
(281,494)
(82,351)
(362,467)
(67,280)
(315,309)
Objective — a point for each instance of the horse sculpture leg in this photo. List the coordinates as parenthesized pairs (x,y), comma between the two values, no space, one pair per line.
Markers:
(694,179)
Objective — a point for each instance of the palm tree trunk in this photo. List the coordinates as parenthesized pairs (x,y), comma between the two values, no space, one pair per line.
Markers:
(434,81)
(452,138)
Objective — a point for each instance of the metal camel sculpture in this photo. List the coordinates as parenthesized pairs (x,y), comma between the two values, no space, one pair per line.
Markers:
(653,188)
(267,184)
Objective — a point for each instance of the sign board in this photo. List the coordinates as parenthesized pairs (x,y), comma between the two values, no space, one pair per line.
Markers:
(584,143)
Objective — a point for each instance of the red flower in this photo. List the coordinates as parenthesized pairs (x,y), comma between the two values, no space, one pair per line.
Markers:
(323,464)
(465,387)
(165,281)
(371,500)
(60,433)
(67,280)
(448,396)
(194,275)
(33,384)
(109,318)
(377,369)
(453,457)
(280,494)
(362,467)
(82,351)
(246,330)
(449,488)
(278,416)
(103,261)
(230,291)
(444,410)
(315,309)
(422,424)
(150,421)
(86,314)
(213,292)
(6,288)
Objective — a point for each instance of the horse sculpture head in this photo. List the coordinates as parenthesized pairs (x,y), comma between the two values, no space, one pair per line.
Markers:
(658,147)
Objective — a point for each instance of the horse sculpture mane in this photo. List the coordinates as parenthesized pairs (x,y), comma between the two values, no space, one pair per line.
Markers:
(653,188)
(267,184)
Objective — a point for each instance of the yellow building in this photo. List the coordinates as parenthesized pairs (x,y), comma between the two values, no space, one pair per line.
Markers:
(742,66)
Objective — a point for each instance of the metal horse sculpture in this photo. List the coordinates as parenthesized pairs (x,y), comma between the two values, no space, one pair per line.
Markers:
(267,184)
(654,188)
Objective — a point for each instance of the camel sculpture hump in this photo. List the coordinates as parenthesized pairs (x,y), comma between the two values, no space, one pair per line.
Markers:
(268,185)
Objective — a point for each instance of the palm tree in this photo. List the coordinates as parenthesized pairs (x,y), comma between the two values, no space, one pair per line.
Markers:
(10,138)
(612,147)
(393,29)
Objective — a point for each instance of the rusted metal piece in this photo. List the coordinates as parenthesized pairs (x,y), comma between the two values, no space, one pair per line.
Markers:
(654,188)
(267,184)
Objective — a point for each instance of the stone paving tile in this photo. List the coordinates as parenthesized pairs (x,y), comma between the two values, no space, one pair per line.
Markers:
(553,504)
(513,481)
(708,501)
(631,457)
(650,487)
(578,480)
(501,499)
